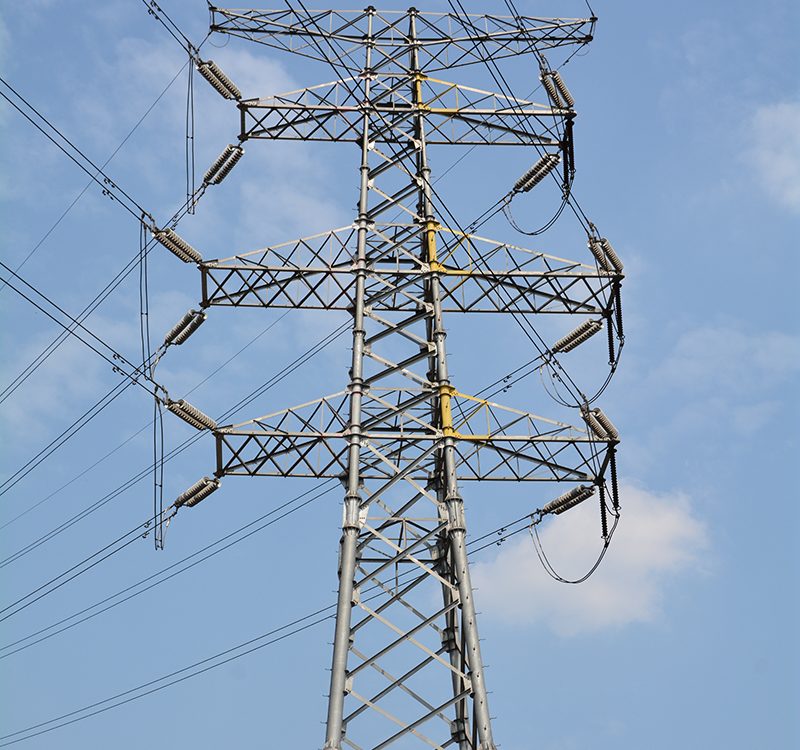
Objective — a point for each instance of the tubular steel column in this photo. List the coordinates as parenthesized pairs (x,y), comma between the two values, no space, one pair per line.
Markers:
(352,499)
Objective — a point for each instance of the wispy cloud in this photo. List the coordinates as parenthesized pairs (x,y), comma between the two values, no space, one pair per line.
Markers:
(659,537)
(775,152)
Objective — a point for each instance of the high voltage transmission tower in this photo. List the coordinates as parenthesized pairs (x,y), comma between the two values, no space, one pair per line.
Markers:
(407,667)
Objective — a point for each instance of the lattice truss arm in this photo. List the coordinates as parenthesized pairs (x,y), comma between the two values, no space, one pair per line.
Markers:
(455,114)
(398,436)
(444,40)
(476,274)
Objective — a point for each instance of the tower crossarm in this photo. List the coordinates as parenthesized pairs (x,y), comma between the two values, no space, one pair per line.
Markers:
(444,40)
(398,439)
(476,275)
(455,114)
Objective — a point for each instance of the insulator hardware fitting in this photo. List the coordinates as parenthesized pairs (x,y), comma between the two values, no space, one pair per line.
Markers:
(197,492)
(562,88)
(191,415)
(584,331)
(600,424)
(568,500)
(537,173)
(178,246)
(605,256)
(214,75)
(185,327)
(223,164)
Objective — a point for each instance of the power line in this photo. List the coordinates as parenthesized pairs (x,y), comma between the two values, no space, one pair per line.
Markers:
(131,437)
(279,376)
(107,185)
(245,648)
(319,494)
(513,377)
(75,200)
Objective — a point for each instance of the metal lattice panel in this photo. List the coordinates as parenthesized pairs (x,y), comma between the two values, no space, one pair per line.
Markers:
(407,667)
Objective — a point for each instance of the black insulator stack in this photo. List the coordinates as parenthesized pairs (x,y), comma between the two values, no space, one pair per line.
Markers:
(603,512)
(611,354)
(614,483)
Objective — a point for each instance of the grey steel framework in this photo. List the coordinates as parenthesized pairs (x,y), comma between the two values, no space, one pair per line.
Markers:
(407,668)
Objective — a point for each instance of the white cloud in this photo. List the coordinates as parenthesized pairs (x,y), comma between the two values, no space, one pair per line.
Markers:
(658,537)
(775,152)
(727,359)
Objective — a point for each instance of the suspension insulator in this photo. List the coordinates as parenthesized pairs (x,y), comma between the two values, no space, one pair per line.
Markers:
(603,512)
(584,331)
(537,173)
(223,164)
(608,426)
(614,482)
(611,353)
(550,88)
(594,425)
(197,492)
(613,258)
(568,500)
(214,75)
(596,248)
(178,246)
(185,327)
(191,415)
(555,76)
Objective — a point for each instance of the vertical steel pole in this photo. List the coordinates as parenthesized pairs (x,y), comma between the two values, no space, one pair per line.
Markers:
(454,502)
(350,522)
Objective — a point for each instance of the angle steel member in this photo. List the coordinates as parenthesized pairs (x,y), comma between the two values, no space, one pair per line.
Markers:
(407,669)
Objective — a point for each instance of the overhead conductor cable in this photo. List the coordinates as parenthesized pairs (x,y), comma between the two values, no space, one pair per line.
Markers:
(223,164)
(214,75)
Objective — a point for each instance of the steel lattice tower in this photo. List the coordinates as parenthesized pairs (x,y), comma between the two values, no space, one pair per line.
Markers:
(407,668)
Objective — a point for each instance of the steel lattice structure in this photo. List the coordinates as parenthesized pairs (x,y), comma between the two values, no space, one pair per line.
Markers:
(407,668)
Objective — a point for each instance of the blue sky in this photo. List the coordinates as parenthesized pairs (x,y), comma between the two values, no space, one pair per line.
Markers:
(688,156)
